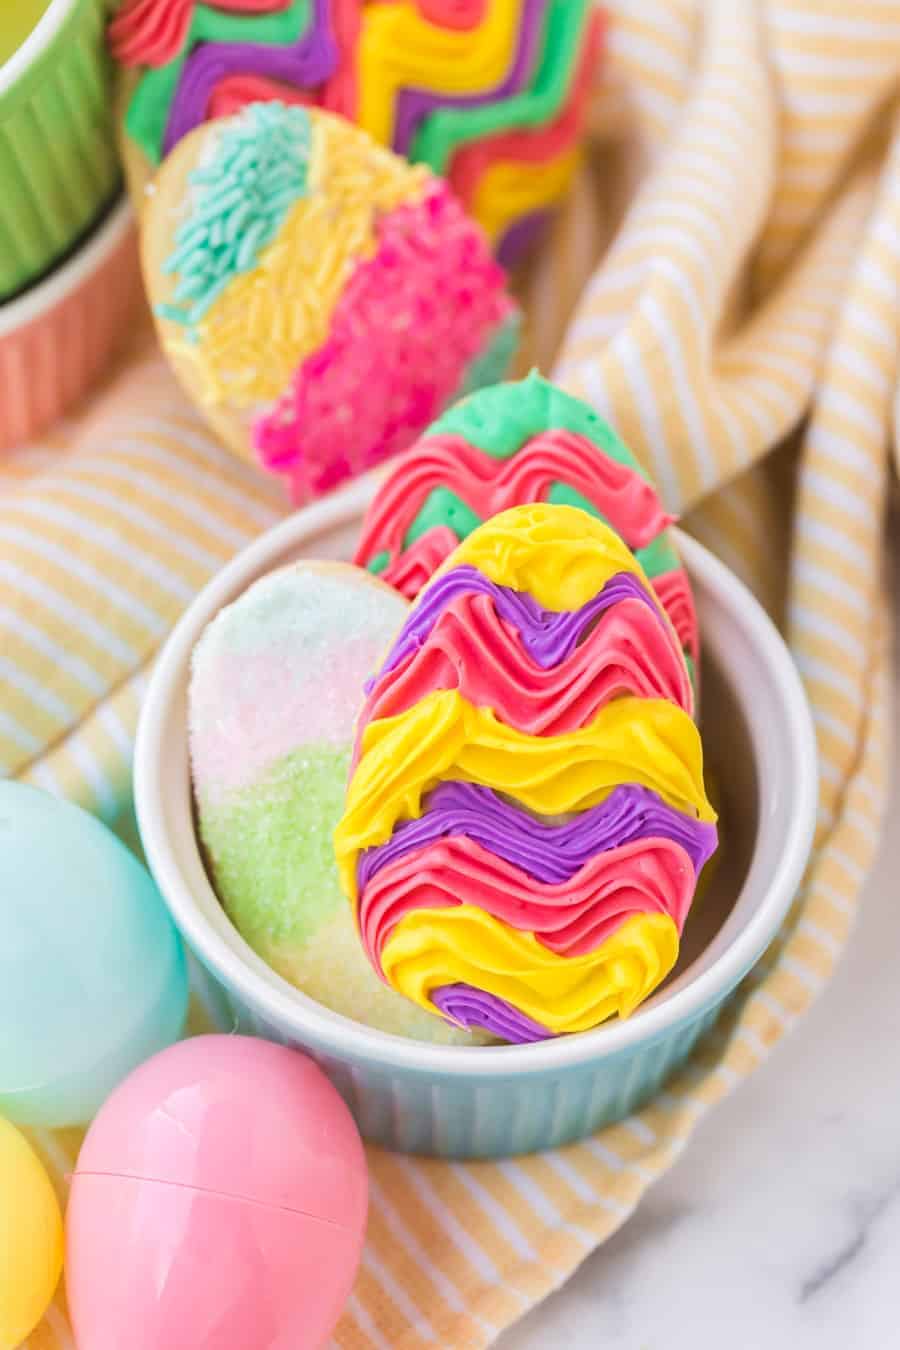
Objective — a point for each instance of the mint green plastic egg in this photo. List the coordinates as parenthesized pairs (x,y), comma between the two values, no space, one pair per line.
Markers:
(93,977)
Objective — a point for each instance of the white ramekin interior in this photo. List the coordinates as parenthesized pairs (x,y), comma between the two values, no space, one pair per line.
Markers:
(749,654)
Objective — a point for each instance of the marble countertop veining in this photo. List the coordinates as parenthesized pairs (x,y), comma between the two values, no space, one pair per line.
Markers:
(779,1227)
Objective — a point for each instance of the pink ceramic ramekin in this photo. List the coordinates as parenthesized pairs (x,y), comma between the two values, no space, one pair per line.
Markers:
(58,336)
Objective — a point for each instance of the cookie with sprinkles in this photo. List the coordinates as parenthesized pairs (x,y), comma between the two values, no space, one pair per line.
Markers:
(320,298)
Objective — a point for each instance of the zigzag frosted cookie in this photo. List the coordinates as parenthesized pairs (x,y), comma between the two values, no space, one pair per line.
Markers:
(274,694)
(506,446)
(491,94)
(320,298)
(526,819)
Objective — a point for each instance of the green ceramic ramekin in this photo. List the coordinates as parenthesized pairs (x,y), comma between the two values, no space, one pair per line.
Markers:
(58,165)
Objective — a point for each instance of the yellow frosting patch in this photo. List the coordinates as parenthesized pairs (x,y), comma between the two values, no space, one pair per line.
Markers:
(512,189)
(631,740)
(430,948)
(400,49)
(266,321)
(560,555)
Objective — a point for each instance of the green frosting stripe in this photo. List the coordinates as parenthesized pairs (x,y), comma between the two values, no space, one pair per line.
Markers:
(443,506)
(500,420)
(447,130)
(491,364)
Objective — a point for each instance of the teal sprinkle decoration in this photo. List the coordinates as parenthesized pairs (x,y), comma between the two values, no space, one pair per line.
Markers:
(258,169)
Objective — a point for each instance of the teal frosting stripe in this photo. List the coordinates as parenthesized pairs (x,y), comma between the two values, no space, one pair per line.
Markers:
(257,170)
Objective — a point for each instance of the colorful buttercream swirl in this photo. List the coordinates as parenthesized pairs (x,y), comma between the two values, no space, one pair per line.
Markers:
(542,672)
(506,446)
(491,94)
(526,819)
(327,293)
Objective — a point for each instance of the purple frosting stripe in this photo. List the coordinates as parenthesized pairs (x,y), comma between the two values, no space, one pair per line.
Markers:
(414,105)
(521,237)
(470,1007)
(550,854)
(304,64)
(549,636)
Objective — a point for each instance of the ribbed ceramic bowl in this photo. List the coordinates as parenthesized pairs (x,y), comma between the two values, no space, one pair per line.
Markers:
(484,1102)
(58,163)
(58,337)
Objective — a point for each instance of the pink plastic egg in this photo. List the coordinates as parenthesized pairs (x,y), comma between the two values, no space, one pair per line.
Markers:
(219,1203)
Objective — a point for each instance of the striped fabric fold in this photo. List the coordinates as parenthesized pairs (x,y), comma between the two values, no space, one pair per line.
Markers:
(725,288)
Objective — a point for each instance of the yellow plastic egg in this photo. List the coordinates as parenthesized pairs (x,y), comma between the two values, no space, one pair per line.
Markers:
(31,1238)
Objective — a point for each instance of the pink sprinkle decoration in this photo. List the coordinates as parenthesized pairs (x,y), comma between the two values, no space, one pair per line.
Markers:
(408,324)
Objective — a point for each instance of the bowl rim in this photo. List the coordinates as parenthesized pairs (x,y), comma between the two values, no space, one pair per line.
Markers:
(344,1038)
(36,43)
(65,278)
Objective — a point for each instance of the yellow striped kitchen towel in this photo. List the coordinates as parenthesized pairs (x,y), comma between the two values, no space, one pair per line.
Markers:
(741,329)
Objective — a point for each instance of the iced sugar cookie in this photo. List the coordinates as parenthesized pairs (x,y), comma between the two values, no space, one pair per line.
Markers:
(526,819)
(274,692)
(515,443)
(320,298)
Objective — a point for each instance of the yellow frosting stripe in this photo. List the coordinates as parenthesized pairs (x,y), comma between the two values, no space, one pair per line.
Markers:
(511,189)
(558,554)
(631,740)
(430,948)
(266,321)
(399,49)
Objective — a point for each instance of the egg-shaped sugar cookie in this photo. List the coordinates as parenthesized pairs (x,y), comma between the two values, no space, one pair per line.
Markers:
(508,445)
(275,689)
(320,298)
(526,818)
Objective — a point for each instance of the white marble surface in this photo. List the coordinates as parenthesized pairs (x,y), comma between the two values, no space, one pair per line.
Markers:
(779,1228)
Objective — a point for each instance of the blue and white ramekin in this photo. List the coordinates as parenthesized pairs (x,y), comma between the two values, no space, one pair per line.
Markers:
(482,1102)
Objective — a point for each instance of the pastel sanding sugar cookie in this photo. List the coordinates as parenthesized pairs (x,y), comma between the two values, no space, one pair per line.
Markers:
(526,819)
(275,689)
(509,445)
(491,94)
(320,298)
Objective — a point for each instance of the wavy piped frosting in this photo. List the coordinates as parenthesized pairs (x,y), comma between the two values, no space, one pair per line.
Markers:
(526,818)
(551,853)
(484,94)
(644,741)
(526,821)
(512,445)
(464,1006)
(320,294)
(647,876)
(563,993)
(618,644)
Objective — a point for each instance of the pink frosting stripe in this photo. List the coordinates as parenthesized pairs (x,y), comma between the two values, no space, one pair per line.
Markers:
(677,598)
(152,32)
(234,92)
(470,648)
(149,32)
(375,383)
(409,571)
(646,876)
(489,485)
